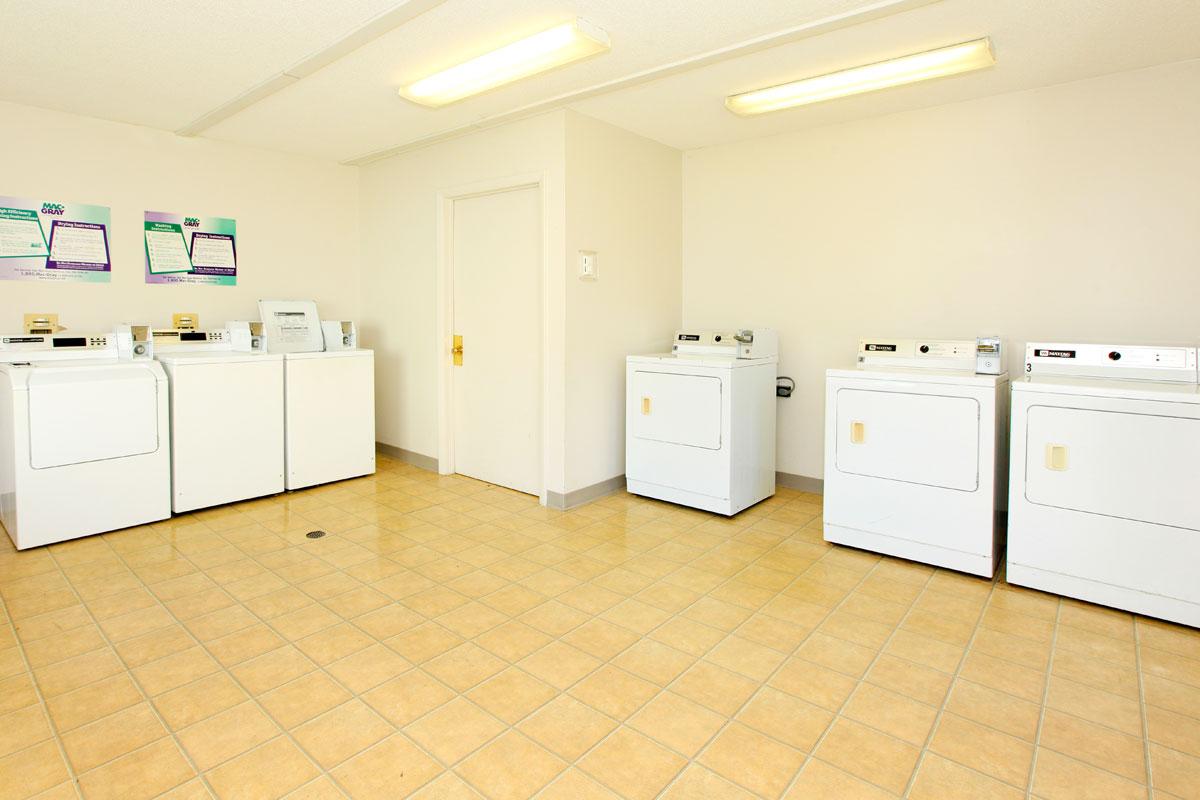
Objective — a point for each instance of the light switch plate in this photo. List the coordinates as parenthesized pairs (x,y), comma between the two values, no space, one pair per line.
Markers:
(587,265)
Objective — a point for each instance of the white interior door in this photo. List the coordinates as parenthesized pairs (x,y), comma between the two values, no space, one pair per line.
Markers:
(496,393)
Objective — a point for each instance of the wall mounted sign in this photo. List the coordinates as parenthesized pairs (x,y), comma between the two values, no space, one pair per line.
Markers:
(190,249)
(48,240)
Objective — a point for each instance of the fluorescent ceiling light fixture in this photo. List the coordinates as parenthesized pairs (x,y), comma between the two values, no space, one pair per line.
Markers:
(553,47)
(894,72)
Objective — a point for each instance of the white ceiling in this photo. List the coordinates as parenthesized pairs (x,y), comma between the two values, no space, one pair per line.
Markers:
(159,63)
(1036,42)
(167,63)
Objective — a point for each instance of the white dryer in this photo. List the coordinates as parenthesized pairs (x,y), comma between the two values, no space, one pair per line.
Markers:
(700,420)
(1104,477)
(84,444)
(226,416)
(915,451)
(329,394)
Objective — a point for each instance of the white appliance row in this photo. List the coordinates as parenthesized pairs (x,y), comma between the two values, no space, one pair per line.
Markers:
(1100,471)
(700,420)
(106,431)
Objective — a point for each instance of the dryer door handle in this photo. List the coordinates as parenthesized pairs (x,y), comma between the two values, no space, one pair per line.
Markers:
(858,432)
(1056,457)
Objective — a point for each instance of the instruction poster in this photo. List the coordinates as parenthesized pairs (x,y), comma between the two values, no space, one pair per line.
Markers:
(48,240)
(182,248)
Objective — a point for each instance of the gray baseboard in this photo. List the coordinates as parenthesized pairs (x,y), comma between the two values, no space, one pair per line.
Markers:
(801,483)
(407,456)
(562,502)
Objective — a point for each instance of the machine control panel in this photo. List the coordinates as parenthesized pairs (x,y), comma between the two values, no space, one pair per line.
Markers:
(53,341)
(182,336)
(26,348)
(237,337)
(738,343)
(976,355)
(1118,362)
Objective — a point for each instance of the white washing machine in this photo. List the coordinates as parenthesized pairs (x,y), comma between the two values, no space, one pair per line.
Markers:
(329,394)
(1103,504)
(700,420)
(84,444)
(915,451)
(226,416)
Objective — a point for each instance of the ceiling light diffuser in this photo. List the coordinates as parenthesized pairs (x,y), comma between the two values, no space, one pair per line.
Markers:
(938,63)
(553,47)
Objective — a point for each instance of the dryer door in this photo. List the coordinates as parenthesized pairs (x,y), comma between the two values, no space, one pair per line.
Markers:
(91,414)
(677,409)
(1118,464)
(928,439)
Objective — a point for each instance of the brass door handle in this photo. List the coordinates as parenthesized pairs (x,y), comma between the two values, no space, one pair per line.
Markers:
(858,432)
(457,350)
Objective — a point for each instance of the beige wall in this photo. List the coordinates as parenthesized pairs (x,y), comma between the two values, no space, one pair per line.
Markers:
(297,218)
(624,203)
(1071,212)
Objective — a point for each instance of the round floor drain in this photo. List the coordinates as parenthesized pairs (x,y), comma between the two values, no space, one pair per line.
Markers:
(315,534)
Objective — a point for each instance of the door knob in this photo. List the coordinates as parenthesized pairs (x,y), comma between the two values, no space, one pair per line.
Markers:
(457,350)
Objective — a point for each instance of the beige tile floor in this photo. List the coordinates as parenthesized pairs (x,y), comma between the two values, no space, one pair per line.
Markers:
(452,639)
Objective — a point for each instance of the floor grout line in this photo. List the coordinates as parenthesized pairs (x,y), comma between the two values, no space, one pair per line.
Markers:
(72,776)
(146,698)
(1146,754)
(322,771)
(836,714)
(950,687)
(839,713)
(1037,737)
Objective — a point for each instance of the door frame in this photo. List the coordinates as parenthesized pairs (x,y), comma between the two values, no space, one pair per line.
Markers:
(445,308)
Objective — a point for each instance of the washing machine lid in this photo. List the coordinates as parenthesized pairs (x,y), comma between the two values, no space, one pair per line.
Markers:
(215,357)
(720,362)
(1163,391)
(945,377)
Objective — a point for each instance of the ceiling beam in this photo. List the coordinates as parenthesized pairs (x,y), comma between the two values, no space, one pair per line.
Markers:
(865,13)
(369,31)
